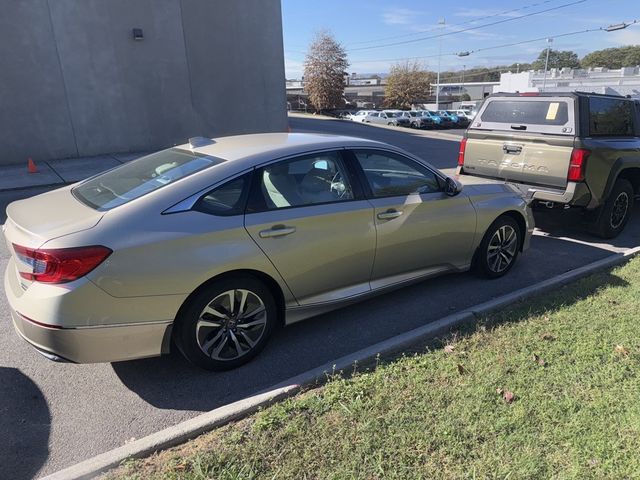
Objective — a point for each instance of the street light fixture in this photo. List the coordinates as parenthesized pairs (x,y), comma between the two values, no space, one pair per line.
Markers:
(440,22)
(464,54)
(617,26)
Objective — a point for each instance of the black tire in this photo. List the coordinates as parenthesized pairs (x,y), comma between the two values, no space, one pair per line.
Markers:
(192,341)
(612,217)
(390,123)
(507,248)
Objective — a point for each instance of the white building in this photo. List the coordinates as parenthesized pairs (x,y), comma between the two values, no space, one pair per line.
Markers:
(623,81)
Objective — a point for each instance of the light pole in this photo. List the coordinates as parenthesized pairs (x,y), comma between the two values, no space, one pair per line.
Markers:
(440,22)
(546,64)
(464,67)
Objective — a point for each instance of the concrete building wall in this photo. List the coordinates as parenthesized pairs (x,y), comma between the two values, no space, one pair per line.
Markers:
(74,82)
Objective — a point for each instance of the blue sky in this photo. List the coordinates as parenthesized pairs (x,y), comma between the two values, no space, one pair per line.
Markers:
(361,24)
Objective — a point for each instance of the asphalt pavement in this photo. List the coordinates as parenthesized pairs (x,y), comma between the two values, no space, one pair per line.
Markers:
(53,415)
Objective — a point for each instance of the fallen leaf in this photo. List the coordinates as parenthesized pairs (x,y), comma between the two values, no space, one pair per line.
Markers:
(622,350)
(539,360)
(461,369)
(508,396)
(499,391)
(548,336)
(449,348)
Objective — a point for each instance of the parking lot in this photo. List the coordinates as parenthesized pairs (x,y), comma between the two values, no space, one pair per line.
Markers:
(54,415)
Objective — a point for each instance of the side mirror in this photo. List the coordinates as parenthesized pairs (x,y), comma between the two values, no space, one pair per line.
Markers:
(452,187)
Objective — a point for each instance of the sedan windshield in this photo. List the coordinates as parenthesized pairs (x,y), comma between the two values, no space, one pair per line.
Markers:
(144,175)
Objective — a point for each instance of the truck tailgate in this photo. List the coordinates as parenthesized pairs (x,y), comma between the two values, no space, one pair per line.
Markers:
(519,157)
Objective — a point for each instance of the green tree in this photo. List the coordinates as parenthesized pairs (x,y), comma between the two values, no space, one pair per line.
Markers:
(407,83)
(324,70)
(628,56)
(557,59)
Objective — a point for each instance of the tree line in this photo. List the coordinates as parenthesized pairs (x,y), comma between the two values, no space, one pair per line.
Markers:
(326,64)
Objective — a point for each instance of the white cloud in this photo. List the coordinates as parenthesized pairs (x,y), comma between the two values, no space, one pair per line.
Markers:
(399,16)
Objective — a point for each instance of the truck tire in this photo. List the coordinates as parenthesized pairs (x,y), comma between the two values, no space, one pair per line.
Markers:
(614,214)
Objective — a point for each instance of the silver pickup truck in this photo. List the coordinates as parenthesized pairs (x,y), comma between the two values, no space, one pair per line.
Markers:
(563,150)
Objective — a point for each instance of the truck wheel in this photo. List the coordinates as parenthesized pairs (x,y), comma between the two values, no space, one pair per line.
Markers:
(615,213)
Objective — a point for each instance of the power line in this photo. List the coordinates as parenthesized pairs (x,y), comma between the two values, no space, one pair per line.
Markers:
(419,32)
(494,47)
(498,22)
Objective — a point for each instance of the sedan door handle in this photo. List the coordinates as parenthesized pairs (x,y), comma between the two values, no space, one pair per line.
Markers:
(389,214)
(277,231)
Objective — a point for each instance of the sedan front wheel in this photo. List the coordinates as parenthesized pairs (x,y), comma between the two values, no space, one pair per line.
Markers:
(227,323)
(499,248)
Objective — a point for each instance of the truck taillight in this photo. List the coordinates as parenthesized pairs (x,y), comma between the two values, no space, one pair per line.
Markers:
(463,147)
(60,265)
(577,164)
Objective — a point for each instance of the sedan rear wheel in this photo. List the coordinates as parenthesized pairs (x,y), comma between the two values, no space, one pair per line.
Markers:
(499,248)
(226,324)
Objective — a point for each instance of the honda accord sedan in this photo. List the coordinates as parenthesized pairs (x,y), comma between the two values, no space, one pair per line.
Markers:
(211,245)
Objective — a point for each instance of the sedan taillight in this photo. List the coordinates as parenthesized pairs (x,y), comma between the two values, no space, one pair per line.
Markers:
(60,265)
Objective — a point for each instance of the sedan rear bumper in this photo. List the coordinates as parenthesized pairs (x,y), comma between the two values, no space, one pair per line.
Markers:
(49,318)
(95,344)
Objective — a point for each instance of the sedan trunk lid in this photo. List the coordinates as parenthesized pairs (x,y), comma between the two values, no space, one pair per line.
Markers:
(36,220)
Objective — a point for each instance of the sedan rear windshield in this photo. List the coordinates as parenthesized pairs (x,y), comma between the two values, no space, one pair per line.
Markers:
(139,177)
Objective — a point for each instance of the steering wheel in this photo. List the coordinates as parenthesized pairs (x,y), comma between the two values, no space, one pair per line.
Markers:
(338,188)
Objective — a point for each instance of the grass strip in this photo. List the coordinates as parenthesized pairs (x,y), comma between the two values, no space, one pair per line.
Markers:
(546,389)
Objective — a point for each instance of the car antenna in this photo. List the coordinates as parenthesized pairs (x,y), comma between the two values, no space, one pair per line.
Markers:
(200,141)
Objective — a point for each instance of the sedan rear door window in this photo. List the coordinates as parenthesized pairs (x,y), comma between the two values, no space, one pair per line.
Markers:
(309,180)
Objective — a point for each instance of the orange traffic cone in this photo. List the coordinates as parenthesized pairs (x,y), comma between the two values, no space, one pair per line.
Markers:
(31,166)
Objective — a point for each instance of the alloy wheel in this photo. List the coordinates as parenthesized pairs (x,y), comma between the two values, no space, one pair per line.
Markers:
(619,211)
(502,248)
(231,325)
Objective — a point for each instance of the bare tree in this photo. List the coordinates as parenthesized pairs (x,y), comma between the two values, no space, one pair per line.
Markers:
(324,71)
(407,83)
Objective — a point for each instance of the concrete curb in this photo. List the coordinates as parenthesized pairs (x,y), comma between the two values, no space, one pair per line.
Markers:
(189,429)
(172,436)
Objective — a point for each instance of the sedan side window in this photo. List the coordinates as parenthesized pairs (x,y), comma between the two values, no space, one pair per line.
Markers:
(227,199)
(391,175)
(309,180)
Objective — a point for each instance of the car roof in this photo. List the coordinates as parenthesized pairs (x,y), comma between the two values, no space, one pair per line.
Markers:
(247,150)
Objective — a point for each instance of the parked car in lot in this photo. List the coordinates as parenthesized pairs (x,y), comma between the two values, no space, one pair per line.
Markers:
(419,119)
(387,117)
(579,150)
(361,115)
(436,121)
(213,244)
(445,121)
(460,119)
(453,120)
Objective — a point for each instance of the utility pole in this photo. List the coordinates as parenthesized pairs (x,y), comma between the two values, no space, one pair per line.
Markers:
(440,22)
(546,64)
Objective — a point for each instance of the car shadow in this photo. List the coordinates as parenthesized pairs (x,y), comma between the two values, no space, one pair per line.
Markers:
(571,224)
(170,382)
(25,424)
